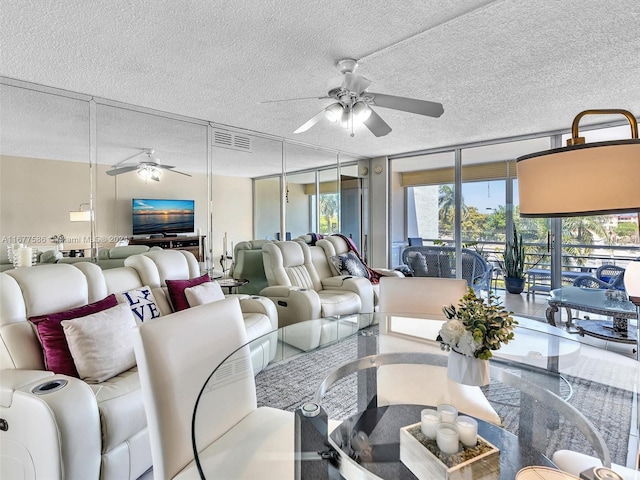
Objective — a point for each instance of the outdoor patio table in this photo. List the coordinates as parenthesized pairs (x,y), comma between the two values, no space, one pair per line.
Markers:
(595,300)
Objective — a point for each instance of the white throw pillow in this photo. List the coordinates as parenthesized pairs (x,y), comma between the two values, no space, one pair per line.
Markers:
(101,344)
(204,293)
(141,302)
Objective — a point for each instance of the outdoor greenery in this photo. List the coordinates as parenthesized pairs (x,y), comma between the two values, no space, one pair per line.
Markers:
(578,233)
(329,206)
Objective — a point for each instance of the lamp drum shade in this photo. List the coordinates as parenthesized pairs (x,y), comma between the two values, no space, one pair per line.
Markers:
(80,216)
(586,179)
(632,281)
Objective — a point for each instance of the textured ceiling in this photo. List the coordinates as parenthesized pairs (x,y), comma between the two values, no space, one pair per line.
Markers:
(500,68)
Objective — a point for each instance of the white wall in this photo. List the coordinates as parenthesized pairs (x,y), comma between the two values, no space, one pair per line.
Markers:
(36,197)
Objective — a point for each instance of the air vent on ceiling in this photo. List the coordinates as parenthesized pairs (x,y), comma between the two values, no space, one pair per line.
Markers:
(232,141)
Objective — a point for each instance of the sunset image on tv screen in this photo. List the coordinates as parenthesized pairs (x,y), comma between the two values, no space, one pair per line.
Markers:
(152,216)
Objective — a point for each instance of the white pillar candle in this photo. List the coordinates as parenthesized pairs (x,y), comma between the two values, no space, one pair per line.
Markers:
(447,438)
(448,413)
(24,256)
(467,430)
(429,419)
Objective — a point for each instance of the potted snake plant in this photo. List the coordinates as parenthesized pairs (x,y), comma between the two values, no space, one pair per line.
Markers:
(514,263)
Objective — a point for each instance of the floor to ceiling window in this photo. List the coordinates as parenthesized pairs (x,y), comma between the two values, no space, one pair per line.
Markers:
(486,210)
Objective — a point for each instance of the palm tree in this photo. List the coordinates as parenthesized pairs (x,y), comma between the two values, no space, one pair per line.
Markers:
(446,206)
(329,208)
(582,230)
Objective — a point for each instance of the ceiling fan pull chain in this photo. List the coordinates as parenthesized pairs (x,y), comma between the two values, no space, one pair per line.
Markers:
(351,119)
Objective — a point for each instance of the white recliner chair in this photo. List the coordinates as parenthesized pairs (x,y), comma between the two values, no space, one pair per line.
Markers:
(234,438)
(335,245)
(248,265)
(303,287)
(424,384)
(259,313)
(59,426)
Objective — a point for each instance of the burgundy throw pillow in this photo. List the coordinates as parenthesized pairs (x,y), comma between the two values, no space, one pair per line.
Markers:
(57,357)
(176,290)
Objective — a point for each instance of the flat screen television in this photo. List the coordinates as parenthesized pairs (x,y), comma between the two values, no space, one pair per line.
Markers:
(153,216)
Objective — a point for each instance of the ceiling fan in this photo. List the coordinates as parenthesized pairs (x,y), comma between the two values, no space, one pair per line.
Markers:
(148,168)
(353,103)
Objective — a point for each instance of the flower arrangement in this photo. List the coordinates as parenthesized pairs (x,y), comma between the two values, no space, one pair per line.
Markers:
(475,328)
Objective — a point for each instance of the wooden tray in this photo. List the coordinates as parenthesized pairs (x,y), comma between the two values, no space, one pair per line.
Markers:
(427,466)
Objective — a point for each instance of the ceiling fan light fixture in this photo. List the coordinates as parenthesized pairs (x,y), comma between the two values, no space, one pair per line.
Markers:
(361,112)
(334,112)
(149,173)
(346,118)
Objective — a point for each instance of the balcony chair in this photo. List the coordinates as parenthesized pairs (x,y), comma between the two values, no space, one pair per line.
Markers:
(612,274)
(408,383)
(234,438)
(606,277)
(440,261)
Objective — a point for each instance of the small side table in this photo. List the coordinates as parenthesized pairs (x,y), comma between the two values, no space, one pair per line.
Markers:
(231,283)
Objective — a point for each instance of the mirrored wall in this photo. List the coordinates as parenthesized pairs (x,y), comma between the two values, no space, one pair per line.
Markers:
(45,168)
(64,153)
(324,200)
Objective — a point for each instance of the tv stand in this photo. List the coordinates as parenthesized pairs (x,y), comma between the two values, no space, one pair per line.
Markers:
(191,244)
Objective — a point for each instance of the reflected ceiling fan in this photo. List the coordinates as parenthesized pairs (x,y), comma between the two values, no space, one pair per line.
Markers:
(148,168)
(353,103)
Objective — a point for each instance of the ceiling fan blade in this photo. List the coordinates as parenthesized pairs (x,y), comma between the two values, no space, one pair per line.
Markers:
(411,105)
(377,125)
(355,83)
(295,99)
(181,173)
(159,165)
(118,171)
(142,152)
(310,123)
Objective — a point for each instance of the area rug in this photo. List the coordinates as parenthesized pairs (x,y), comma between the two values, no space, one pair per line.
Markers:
(287,385)
(608,408)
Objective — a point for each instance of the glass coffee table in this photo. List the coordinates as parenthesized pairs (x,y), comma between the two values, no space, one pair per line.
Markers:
(539,382)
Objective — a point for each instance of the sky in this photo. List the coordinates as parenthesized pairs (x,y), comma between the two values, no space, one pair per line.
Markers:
(485,195)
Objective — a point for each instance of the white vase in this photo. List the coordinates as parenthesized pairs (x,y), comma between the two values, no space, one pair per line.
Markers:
(467,370)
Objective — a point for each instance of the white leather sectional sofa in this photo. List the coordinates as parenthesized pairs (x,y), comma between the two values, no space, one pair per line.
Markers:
(55,426)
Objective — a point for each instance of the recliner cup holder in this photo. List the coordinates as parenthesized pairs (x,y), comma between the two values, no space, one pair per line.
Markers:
(49,387)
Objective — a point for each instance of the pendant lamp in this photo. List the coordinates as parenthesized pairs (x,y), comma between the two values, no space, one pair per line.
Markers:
(582,178)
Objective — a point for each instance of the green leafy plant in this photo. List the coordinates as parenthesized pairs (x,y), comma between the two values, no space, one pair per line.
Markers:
(514,256)
(474,328)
